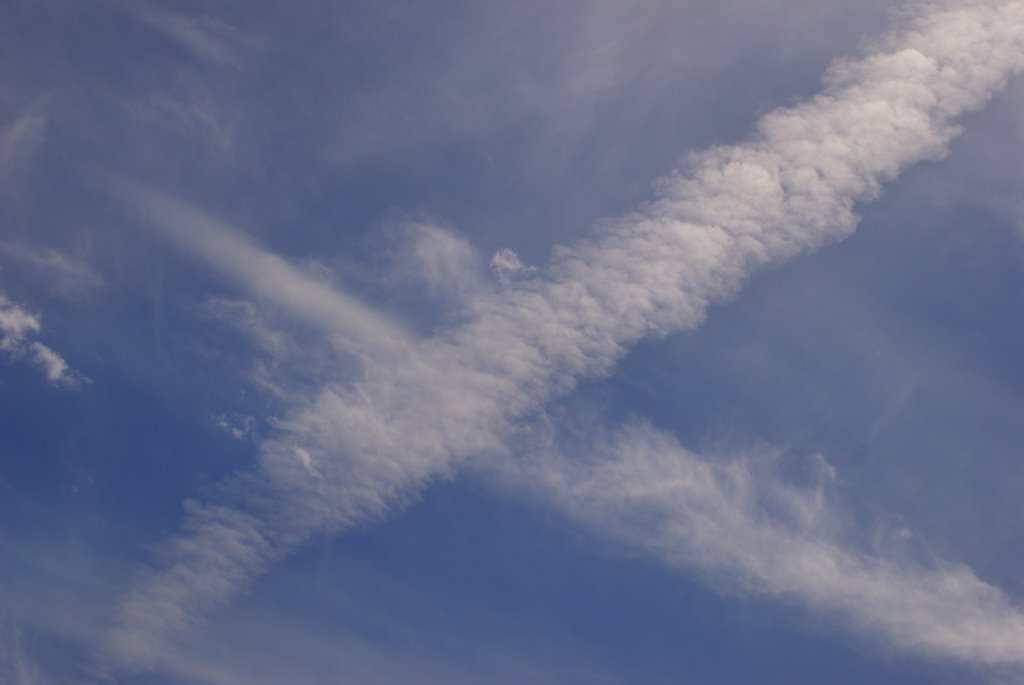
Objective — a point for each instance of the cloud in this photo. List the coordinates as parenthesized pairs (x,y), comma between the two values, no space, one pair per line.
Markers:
(239,427)
(354,638)
(300,295)
(436,258)
(17,327)
(738,522)
(356,451)
(565,72)
(205,38)
(18,143)
(507,266)
(56,369)
(16,667)
(15,323)
(64,274)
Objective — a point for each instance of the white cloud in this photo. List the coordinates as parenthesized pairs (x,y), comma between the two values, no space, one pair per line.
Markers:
(430,405)
(564,71)
(207,39)
(16,324)
(65,275)
(53,365)
(300,295)
(17,328)
(239,427)
(737,521)
(435,257)
(507,266)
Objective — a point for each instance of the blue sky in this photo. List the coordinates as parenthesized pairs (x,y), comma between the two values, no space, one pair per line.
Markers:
(463,342)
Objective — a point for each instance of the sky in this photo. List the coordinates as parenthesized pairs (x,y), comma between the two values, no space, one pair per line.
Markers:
(488,342)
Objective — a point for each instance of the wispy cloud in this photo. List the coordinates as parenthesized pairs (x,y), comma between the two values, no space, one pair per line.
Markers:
(18,142)
(300,295)
(739,522)
(239,427)
(15,666)
(205,38)
(65,275)
(507,266)
(355,452)
(17,330)
(434,257)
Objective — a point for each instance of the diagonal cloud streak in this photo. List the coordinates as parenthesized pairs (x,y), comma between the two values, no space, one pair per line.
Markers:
(736,520)
(265,275)
(358,451)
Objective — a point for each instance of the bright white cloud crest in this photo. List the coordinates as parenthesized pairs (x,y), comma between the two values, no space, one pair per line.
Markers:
(422,407)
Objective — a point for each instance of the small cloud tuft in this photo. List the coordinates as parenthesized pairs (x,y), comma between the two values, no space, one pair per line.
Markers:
(17,328)
(507,267)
